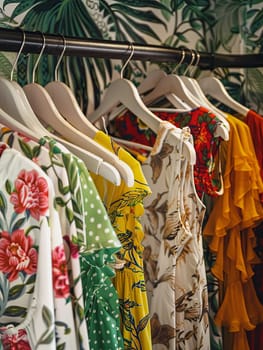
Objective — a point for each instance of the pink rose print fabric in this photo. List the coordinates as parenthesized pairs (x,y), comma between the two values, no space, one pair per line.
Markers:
(31,193)
(71,329)
(17,254)
(27,319)
(17,341)
(60,273)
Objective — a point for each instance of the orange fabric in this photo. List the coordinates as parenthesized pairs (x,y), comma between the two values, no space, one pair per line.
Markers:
(240,341)
(231,236)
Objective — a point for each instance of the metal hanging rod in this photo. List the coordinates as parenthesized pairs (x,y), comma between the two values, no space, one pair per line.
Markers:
(11,39)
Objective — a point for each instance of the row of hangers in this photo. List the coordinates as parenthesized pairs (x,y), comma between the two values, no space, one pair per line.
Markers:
(32,108)
(184,93)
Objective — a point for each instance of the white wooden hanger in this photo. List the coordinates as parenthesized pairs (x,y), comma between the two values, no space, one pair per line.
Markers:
(67,104)
(17,116)
(148,84)
(170,86)
(14,103)
(151,82)
(47,112)
(123,91)
(176,85)
(70,121)
(214,87)
(15,125)
(13,100)
(195,89)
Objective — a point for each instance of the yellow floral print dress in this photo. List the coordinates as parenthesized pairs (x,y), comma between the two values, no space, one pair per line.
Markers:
(125,207)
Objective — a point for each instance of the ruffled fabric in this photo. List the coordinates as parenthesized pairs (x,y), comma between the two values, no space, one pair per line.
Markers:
(231,236)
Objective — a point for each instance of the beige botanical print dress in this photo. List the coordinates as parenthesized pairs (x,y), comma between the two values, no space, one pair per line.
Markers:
(173,259)
(191,284)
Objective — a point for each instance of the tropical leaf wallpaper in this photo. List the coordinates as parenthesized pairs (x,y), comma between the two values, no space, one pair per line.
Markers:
(204,25)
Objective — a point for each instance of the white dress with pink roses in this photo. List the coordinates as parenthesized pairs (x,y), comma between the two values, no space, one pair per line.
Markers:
(71,326)
(27,315)
(81,214)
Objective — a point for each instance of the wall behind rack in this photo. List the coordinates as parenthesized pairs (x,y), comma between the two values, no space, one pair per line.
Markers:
(225,27)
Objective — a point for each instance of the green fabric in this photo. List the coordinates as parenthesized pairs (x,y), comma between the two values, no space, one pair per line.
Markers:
(101,299)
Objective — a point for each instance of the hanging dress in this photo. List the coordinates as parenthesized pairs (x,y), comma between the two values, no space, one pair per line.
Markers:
(100,296)
(27,262)
(207,178)
(178,305)
(229,229)
(125,207)
(47,155)
(166,233)
(89,238)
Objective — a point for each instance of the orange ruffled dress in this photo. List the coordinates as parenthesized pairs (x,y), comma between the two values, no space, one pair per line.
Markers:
(230,232)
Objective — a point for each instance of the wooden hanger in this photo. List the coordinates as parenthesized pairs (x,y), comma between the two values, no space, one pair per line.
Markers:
(15,125)
(70,121)
(214,87)
(195,89)
(154,77)
(169,87)
(47,112)
(14,103)
(16,113)
(149,83)
(172,87)
(123,91)
(66,102)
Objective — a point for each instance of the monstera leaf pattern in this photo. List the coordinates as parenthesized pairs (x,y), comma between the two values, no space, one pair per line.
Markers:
(204,25)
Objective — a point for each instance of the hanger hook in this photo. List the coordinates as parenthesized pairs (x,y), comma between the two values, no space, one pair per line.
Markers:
(190,64)
(197,55)
(39,57)
(131,47)
(181,60)
(60,57)
(18,54)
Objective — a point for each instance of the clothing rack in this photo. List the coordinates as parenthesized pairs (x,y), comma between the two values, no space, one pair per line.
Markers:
(11,40)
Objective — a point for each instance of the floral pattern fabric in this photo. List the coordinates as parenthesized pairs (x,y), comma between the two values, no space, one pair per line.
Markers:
(71,330)
(131,128)
(173,255)
(27,318)
(125,207)
(89,239)
(202,124)
(97,242)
